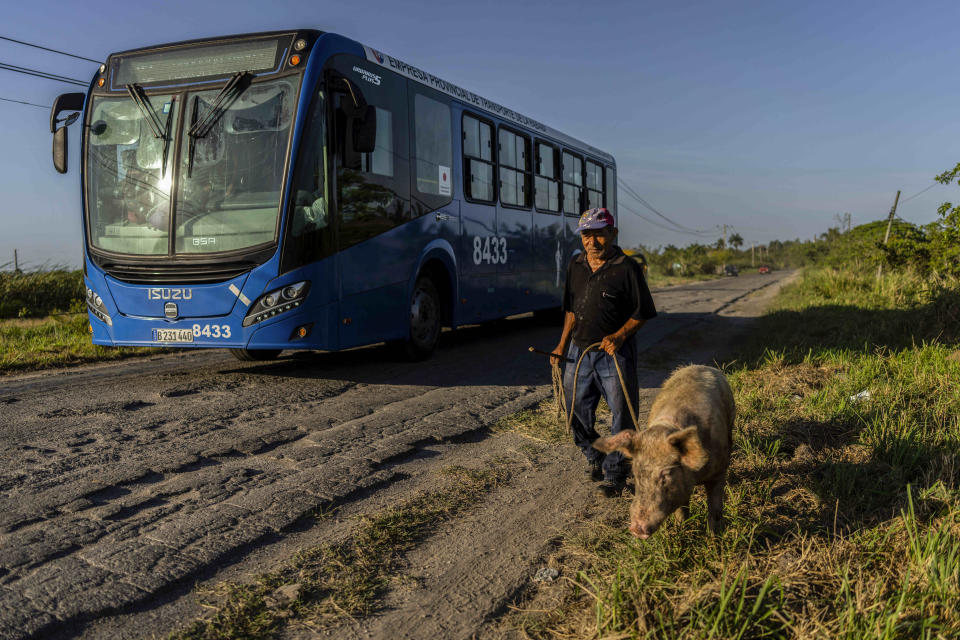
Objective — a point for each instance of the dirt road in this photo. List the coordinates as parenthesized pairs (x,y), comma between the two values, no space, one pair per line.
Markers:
(124,485)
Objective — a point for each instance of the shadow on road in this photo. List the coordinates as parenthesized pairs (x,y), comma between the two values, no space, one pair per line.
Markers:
(495,353)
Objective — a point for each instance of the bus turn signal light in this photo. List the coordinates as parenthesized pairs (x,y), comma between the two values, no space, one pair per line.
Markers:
(301,332)
(294,60)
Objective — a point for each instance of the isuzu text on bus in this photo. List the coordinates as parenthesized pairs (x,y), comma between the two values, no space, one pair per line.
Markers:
(299,190)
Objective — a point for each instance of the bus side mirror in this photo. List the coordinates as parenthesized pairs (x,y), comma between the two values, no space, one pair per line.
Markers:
(64,102)
(60,149)
(365,131)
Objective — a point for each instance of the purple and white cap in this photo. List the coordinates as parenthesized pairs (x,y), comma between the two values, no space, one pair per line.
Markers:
(595,219)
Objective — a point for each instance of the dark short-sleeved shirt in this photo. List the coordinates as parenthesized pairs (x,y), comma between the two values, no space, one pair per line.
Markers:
(603,301)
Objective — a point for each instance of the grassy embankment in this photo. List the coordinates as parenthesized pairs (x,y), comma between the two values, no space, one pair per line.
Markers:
(843,510)
(43,322)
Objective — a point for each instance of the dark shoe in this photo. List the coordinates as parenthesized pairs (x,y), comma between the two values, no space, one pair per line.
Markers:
(595,471)
(610,488)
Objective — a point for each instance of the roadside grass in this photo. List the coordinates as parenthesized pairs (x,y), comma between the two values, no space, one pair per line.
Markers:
(59,340)
(843,502)
(321,586)
(656,278)
(35,294)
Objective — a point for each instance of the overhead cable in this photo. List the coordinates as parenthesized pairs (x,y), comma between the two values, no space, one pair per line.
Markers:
(32,104)
(36,46)
(703,233)
(919,192)
(42,74)
(636,196)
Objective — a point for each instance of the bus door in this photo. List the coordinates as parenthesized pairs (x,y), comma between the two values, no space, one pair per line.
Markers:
(369,107)
(479,242)
(550,254)
(515,222)
(436,227)
(309,241)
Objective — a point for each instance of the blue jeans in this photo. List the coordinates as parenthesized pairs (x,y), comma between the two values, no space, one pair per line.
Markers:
(598,376)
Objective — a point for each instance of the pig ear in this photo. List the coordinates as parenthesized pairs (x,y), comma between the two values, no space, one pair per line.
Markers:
(624,442)
(692,454)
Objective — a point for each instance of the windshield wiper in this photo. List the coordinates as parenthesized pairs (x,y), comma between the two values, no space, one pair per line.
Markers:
(143,103)
(160,130)
(167,137)
(191,148)
(227,96)
(224,100)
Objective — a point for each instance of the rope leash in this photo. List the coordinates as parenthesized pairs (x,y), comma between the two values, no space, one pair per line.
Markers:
(560,397)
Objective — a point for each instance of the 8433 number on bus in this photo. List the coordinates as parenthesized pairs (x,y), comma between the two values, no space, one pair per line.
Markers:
(489,250)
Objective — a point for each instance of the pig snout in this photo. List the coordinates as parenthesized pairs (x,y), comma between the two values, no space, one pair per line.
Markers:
(641,530)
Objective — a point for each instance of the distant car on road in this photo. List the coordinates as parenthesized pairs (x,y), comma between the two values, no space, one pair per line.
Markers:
(731,270)
(764,269)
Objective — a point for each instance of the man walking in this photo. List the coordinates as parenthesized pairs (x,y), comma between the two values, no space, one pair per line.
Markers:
(605,300)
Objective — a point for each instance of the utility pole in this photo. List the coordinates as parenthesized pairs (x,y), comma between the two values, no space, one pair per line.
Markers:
(16,263)
(886,237)
(724,236)
(753,250)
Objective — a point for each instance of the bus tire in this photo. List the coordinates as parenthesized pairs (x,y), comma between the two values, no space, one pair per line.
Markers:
(250,355)
(426,316)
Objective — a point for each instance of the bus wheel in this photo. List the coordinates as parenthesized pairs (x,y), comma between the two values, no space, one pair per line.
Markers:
(425,315)
(248,355)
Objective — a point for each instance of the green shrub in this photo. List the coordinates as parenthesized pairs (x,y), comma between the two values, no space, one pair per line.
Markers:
(39,293)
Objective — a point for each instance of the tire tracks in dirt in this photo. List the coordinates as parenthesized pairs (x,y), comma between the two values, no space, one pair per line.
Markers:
(121,486)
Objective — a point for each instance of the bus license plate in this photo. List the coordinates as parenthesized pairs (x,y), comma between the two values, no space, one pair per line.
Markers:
(173,335)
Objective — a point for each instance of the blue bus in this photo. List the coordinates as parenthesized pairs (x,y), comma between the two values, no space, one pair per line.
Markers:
(299,190)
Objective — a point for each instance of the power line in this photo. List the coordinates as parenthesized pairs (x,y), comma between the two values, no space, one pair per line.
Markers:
(42,74)
(646,204)
(659,224)
(32,104)
(682,228)
(36,46)
(919,192)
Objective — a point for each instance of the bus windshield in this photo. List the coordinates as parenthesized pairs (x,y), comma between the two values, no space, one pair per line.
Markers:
(128,189)
(228,181)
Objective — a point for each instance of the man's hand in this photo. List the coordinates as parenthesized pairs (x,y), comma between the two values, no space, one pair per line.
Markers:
(555,360)
(611,343)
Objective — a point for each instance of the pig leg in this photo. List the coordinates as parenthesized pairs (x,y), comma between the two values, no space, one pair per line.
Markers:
(715,503)
(683,513)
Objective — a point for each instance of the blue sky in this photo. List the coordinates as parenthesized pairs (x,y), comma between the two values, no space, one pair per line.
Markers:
(768,116)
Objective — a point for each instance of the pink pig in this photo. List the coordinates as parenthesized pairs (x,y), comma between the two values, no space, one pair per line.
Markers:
(687,442)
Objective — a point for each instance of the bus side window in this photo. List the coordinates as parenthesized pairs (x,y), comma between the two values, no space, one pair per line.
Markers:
(610,191)
(373,187)
(478,160)
(572,184)
(514,169)
(594,185)
(432,153)
(546,188)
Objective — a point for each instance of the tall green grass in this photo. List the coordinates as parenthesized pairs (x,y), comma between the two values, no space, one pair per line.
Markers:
(35,294)
(843,507)
(55,341)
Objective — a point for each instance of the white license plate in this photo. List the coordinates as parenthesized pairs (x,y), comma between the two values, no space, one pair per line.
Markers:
(173,335)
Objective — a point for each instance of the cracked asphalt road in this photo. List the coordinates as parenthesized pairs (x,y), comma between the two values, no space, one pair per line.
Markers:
(118,481)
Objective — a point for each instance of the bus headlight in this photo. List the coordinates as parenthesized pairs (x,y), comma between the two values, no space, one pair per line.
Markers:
(275,302)
(96,307)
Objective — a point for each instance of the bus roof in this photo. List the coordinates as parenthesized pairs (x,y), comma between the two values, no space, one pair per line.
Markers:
(479,102)
(394,64)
